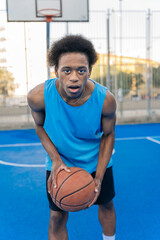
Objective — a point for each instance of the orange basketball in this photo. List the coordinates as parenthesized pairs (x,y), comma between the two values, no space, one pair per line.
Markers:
(75,190)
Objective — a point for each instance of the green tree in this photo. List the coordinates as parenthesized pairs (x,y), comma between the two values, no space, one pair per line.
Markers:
(156,77)
(126,78)
(7,85)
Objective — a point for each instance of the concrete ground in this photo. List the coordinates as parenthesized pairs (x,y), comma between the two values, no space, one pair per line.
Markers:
(19,117)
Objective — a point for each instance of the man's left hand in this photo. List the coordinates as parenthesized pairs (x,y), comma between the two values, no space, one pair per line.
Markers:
(97,190)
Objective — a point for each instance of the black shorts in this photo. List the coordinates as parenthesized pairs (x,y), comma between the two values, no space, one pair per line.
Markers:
(107,189)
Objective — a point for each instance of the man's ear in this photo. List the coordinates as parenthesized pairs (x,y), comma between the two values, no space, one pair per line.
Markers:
(56,72)
(90,71)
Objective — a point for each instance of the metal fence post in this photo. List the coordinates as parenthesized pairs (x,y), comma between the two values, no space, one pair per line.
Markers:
(67,28)
(120,90)
(108,51)
(26,62)
(148,64)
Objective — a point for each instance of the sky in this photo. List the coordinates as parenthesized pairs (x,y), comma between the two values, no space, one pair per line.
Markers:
(126,4)
(114,4)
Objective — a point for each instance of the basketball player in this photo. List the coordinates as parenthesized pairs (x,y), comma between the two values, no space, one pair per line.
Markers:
(75,121)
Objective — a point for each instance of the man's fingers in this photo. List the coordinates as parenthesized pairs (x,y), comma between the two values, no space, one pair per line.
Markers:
(94,199)
(96,190)
(57,172)
(49,183)
(67,169)
(52,181)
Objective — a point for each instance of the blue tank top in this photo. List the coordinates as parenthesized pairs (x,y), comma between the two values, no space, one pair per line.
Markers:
(75,130)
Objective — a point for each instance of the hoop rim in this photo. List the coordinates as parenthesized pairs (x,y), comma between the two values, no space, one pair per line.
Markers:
(49,15)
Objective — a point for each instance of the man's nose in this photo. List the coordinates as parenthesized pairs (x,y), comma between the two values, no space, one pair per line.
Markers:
(73,76)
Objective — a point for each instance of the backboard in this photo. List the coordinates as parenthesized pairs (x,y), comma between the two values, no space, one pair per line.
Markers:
(28,10)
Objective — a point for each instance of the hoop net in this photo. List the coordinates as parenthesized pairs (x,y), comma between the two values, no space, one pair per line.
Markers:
(49,13)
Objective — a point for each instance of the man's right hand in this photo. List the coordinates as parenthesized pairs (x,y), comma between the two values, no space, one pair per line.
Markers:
(57,166)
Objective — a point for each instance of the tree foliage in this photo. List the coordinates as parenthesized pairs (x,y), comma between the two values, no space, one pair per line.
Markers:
(124,80)
(7,85)
(156,77)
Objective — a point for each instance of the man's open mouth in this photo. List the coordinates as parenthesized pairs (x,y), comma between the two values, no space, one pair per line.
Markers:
(74,89)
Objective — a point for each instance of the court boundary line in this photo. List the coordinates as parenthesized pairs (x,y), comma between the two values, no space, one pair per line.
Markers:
(135,138)
(28,165)
(21,165)
(20,145)
(153,140)
(116,139)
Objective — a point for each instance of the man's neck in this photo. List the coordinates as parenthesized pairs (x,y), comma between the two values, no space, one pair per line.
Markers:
(82,98)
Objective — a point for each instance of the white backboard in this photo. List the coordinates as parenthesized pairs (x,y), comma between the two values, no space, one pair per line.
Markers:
(26,11)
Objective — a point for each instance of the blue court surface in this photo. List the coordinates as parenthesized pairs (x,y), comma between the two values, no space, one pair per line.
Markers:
(24,211)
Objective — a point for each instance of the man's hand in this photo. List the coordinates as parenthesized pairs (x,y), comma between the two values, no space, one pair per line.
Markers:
(57,166)
(97,190)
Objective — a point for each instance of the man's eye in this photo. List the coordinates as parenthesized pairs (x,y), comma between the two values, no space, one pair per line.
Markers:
(82,71)
(67,71)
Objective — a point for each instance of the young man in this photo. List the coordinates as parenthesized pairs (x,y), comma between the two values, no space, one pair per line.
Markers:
(75,121)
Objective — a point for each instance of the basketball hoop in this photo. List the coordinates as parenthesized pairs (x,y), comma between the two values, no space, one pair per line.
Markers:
(49,13)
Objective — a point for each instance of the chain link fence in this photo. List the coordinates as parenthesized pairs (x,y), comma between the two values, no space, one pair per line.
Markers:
(127,43)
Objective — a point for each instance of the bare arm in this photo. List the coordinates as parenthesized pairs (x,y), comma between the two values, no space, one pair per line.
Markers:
(37,105)
(108,137)
(108,119)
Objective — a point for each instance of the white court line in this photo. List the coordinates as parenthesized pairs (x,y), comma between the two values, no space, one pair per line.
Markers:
(21,165)
(20,145)
(135,138)
(28,165)
(153,140)
(129,138)
(39,144)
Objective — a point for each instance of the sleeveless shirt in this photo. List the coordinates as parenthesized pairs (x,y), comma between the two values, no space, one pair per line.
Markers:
(75,130)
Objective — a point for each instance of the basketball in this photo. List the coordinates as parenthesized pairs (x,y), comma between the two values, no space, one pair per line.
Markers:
(74,191)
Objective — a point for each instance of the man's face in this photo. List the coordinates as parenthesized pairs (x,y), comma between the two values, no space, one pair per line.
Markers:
(72,73)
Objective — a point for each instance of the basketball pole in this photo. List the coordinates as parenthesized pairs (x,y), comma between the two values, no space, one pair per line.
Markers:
(26,62)
(48,45)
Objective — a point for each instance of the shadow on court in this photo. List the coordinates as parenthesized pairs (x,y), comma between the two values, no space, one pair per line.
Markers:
(24,210)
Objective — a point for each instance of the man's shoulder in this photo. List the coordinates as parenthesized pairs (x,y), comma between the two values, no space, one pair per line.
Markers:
(37,90)
(109,103)
(35,97)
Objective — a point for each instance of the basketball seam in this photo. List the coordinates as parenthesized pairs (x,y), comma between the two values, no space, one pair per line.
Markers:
(74,192)
(64,204)
(64,182)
